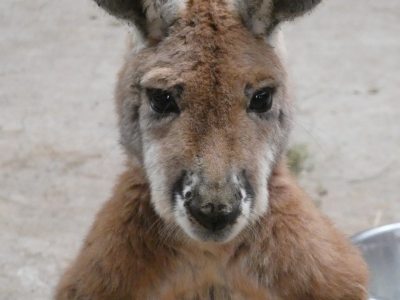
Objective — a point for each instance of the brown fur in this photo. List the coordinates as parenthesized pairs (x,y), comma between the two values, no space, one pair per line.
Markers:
(136,250)
(292,253)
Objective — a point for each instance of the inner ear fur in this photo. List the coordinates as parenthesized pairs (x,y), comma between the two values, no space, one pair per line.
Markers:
(262,16)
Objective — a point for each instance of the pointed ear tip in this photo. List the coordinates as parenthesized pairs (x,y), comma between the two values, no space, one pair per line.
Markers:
(129,11)
(289,10)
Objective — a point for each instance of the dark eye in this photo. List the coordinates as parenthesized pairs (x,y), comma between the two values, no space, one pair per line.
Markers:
(261,100)
(162,102)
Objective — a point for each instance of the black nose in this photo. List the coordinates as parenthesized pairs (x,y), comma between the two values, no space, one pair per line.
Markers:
(214,217)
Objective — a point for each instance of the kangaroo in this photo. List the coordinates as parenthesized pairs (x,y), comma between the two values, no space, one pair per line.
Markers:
(207,208)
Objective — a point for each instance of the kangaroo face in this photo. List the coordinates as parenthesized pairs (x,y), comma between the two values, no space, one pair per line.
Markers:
(212,118)
(206,114)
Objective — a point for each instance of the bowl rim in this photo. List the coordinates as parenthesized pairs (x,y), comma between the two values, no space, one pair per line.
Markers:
(366,234)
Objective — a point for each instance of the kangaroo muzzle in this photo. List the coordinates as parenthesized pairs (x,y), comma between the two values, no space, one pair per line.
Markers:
(214,215)
(212,206)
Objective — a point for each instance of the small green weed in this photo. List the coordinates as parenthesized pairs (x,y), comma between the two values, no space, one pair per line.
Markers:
(297,156)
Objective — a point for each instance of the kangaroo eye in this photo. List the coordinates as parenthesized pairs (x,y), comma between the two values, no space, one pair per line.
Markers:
(162,102)
(261,100)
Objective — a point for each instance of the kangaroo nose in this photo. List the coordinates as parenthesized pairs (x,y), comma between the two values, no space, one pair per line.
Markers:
(214,217)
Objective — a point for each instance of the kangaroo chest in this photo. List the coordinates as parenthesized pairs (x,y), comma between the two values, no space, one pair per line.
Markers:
(207,278)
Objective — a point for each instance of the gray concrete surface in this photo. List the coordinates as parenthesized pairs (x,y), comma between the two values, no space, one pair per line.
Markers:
(59,154)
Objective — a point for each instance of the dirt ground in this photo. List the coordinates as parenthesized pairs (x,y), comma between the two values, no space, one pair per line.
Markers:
(59,154)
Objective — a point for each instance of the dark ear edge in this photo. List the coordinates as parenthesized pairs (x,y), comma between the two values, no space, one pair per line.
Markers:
(286,10)
(127,10)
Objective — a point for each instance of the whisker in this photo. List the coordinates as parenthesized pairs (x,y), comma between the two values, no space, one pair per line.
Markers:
(309,133)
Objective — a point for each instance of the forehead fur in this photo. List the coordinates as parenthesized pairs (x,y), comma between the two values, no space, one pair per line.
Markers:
(214,57)
(210,38)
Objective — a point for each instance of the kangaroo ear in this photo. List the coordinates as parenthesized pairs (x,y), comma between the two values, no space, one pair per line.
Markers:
(151,17)
(261,16)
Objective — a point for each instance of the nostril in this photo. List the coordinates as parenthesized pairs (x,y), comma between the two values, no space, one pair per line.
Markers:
(224,209)
(207,209)
(188,194)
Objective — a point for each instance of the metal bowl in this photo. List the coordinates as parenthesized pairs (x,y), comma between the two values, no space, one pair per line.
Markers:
(381,250)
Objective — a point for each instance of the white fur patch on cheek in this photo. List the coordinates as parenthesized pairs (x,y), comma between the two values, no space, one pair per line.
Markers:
(180,211)
(189,184)
(181,217)
(245,209)
(262,196)
(243,219)
(243,193)
(160,195)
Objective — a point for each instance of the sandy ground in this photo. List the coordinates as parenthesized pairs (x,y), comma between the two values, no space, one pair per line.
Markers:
(59,154)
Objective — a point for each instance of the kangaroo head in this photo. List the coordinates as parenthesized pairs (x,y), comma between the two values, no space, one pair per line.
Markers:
(204,106)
